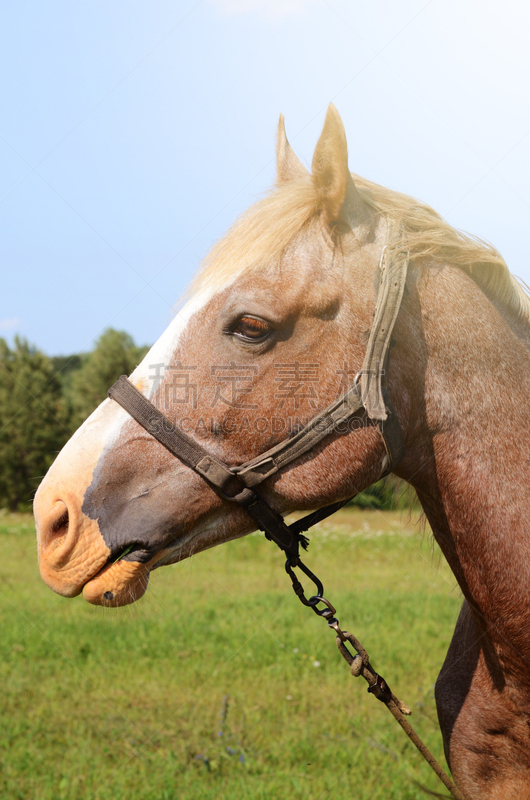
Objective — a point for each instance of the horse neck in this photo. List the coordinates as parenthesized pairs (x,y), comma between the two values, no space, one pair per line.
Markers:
(469,443)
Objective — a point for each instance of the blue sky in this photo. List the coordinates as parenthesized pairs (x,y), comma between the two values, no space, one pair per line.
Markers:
(133,133)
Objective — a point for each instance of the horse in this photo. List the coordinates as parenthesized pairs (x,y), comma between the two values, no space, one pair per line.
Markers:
(274,329)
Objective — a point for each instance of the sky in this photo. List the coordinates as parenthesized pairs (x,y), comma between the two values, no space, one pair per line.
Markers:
(133,133)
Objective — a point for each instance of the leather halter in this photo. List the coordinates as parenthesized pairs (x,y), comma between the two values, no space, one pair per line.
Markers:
(238,484)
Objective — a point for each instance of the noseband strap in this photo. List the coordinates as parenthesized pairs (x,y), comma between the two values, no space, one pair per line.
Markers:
(238,484)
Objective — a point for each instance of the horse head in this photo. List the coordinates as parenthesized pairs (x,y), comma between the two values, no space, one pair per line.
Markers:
(274,330)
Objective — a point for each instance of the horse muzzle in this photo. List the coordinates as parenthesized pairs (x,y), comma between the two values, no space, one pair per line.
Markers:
(74,558)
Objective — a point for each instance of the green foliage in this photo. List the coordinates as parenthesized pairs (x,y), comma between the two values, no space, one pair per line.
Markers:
(66,366)
(219,684)
(388,494)
(33,421)
(43,401)
(115,354)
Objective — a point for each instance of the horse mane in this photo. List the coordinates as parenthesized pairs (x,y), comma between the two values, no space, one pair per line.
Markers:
(427,236)
(262,233)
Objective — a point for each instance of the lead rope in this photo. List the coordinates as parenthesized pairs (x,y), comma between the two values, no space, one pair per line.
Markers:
(359,663)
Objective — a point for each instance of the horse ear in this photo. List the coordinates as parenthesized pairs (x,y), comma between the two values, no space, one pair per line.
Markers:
(331,175)
(288,165)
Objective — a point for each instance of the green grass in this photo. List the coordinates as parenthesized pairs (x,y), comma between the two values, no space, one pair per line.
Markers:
(207,688)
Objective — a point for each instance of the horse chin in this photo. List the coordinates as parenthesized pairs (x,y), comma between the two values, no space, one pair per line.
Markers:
(118,584)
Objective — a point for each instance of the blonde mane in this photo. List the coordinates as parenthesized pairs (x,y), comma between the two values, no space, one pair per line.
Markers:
(261,234)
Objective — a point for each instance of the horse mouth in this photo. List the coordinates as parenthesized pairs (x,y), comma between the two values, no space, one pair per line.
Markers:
(123,579)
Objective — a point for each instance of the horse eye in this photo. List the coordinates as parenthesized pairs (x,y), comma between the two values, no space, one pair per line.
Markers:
(252,328)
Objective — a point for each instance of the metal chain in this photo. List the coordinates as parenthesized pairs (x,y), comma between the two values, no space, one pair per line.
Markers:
(359,663)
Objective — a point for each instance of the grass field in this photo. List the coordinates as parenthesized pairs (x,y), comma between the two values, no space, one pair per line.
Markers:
(219,684)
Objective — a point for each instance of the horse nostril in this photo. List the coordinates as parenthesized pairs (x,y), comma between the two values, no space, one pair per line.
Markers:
(61,524)
(55,525)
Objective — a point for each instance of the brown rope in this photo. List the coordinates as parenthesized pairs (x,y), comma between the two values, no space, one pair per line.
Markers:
(360,665)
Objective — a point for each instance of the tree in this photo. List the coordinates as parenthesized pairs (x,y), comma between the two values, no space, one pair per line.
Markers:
(33,421)
(115,354)
(390,493)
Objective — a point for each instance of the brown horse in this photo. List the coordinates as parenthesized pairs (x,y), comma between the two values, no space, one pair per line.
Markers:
(276,328)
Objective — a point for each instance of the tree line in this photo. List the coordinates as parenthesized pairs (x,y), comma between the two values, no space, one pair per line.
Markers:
(44,400)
